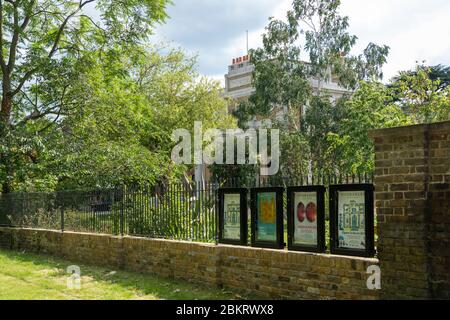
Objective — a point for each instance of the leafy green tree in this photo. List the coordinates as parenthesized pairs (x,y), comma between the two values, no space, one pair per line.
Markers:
(283,82)
(43,46)
(350,147)
(325,32)
(441,73)
(127,107)
(296,152)
(413,97)
(279,77)
(423,99)
(328,43)
(438,72)
(38,36)
(322,118)
(420,97)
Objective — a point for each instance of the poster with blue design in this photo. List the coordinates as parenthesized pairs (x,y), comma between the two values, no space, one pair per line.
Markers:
(351,220)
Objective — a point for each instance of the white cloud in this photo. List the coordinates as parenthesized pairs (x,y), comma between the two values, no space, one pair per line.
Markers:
(415,30)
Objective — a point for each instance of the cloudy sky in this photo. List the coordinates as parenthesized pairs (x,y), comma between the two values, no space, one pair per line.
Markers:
(215,30)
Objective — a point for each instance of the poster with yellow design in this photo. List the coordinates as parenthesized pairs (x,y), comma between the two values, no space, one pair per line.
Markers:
(267,216)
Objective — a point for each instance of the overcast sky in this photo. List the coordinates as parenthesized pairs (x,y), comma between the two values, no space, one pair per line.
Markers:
(416,30)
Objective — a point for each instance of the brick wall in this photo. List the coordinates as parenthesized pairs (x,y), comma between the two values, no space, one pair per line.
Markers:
(267,273)
(412,181)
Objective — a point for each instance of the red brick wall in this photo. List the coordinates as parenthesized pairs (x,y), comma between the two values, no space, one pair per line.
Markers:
(277,274)
(412,180)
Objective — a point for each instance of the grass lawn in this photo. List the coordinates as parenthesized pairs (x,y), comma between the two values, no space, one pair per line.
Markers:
(27,276)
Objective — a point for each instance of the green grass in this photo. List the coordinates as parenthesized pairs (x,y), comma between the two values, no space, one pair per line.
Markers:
(25,276)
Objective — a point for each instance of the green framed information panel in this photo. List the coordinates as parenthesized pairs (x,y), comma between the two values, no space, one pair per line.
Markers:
(267,217)
(352,219)
(306,218)
(233,217)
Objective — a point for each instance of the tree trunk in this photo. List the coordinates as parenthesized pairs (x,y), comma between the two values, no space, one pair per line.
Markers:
(5,184)
(6,188)
(5,116)
(7,99)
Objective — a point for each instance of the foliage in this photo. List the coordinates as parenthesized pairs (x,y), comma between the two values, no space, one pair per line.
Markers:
(322,118)
(295,154)
(279,77)
(123,135)
(438,72)
(328,43)
(45,51)
(350,148)
(284,87)
(412,98)
(420,97)
(325,32)
(125,103)
(334,135)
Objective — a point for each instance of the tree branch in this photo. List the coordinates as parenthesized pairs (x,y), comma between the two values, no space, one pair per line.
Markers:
(64,24)
(37,114)
(24,79)
(14,40)
(93,22)
(2,59)
(54,49)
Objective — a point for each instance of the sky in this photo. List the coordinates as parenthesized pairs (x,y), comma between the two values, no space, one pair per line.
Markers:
(215,30)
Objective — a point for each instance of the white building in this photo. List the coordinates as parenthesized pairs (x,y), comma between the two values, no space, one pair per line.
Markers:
(238,80)
(238,83)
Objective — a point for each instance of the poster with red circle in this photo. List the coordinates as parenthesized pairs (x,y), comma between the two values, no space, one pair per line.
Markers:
(305,218)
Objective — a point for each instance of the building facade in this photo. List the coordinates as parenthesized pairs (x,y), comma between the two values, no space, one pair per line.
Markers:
(239,87)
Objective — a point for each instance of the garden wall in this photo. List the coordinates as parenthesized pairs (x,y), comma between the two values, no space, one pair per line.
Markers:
(412,180)
(265,272)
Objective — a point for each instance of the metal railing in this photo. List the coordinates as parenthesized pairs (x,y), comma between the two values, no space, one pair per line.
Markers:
(180,211)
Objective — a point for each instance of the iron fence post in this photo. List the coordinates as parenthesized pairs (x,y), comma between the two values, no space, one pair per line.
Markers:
(62,219)
(121,213)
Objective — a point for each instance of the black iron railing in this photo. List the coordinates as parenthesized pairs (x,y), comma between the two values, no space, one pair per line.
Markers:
(181,211)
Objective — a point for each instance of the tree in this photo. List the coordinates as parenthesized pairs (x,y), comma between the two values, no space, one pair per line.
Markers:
(44,43)
(325,31)
(441,73)
(279,77)
(328,43)
(411,98)
(40,35)
(322,118)
(283,82)
(438,72)
(350,147)
(423,99)
(127,107)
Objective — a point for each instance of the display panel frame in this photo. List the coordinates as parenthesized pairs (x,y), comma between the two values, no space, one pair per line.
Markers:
(278,243)
(320,246)
(368,189)
(242,192)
